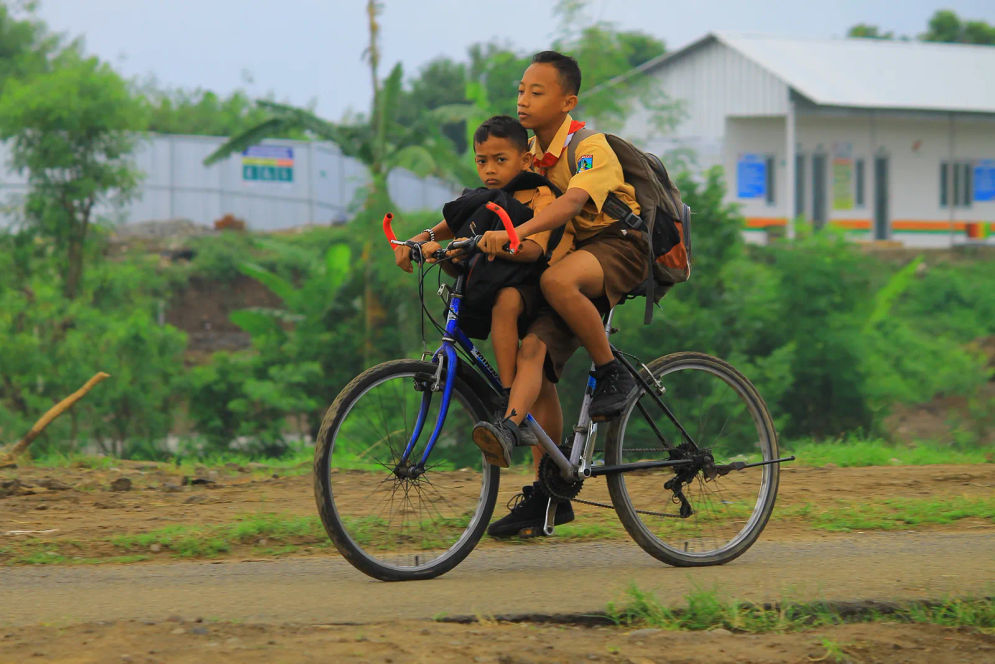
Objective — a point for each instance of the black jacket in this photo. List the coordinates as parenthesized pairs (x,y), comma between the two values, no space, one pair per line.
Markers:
(466,216)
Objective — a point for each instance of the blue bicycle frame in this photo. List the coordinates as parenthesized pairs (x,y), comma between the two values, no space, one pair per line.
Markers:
(446,357)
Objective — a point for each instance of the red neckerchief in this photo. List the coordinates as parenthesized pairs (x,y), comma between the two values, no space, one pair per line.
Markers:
(549,159)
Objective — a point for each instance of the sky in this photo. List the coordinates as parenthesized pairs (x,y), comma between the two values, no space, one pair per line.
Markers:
(309,51)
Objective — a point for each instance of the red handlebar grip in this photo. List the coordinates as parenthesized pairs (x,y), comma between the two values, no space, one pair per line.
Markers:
(508,226)
(387,230)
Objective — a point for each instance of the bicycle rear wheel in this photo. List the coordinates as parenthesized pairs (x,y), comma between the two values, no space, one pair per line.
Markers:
(723,413)
(389,525)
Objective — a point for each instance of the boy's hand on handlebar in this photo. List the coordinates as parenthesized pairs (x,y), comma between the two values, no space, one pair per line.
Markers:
(458,254)
(493,243)
(402,257)
(428,251)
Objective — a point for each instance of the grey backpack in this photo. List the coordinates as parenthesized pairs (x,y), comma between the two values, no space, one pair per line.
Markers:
(664,218)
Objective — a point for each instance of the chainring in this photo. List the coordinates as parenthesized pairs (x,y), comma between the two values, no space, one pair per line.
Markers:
(552,481)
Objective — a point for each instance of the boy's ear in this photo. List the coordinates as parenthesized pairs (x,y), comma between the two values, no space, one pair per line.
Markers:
(525,160)
(569,103)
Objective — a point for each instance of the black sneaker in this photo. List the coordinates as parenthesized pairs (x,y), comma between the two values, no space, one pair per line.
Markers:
(528,514)
(612,386)
(525,435)
(496,441)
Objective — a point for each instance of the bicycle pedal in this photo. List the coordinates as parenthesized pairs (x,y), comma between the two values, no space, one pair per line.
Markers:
(531,531)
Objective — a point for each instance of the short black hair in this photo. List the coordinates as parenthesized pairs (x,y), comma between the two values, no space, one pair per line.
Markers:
(566,67)
(503,126)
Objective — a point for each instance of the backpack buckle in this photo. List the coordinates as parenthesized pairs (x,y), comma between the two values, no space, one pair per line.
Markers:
(633,221)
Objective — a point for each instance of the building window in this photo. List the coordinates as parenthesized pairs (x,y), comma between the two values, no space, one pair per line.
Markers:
(956,183)
(858,167)
(770,180)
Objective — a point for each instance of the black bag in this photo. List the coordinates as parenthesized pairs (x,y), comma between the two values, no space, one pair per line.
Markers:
(664,218)
(467,216)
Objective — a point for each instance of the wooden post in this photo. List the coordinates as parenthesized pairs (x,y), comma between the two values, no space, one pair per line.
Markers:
(46,419)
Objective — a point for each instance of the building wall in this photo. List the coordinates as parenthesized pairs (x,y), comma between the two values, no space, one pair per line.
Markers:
(323,186)
(914,145)
(710,83)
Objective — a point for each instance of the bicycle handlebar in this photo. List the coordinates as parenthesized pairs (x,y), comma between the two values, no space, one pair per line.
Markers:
(513,241)
(506,221)
(387,230)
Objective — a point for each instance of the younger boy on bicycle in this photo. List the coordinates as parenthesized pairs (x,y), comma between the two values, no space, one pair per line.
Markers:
(503,161)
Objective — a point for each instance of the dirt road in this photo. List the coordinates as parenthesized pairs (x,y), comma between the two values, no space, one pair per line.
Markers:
(572,578)
(254,605)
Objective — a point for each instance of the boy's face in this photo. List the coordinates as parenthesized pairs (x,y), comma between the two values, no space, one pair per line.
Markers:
(542,101)
(499,161)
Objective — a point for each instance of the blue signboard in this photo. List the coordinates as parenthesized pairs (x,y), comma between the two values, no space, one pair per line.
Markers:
(751,176)
(984,180)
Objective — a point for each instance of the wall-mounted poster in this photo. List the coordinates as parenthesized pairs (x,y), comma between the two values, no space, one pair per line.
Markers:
(751,176)
(843,176)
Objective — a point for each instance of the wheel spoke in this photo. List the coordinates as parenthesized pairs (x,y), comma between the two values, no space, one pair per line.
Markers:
(397,522)
(727,512)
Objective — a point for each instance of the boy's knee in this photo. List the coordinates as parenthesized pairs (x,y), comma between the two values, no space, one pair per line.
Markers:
(554,282)
(532,348)
(507,301)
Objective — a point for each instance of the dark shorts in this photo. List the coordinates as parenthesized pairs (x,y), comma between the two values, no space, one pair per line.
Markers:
(533,305)
(623,259)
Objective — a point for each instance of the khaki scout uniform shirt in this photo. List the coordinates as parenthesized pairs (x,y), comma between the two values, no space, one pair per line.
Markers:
(536,199)
(598,173)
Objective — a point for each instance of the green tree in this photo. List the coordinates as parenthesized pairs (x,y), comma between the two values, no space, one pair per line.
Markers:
(26,46)
(72,130)
(609,59)
(866,31)
(202,112)
(382,142)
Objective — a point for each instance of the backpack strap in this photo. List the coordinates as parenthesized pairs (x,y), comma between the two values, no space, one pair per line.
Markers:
(580,136)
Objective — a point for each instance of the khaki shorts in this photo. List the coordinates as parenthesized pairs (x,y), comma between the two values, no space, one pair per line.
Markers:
(623,259)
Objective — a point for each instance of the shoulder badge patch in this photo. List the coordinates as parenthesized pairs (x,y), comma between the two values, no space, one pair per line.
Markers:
(585,162)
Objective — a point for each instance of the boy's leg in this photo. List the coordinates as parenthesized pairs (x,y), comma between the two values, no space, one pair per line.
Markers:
(549,415)
(497,440)
(508,306)
(528,514)
(569,286)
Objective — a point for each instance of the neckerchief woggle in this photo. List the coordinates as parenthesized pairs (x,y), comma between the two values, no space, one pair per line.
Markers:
(549,159)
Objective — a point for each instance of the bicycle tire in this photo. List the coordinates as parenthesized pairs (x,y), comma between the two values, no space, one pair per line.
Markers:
(722,411)
(391,527)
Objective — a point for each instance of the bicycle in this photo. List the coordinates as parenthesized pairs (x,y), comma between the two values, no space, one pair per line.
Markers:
(400,510)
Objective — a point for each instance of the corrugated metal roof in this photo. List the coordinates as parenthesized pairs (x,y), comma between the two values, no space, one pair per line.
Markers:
(871,73)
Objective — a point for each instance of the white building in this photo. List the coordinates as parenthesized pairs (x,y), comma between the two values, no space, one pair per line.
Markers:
(278,184)
(890,140)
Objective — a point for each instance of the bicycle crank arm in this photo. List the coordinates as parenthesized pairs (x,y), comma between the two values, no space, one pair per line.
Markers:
(547,527)
(639,465)
(725,469)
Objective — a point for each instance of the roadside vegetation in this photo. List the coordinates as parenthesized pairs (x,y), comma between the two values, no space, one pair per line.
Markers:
(708,610)
(840,342)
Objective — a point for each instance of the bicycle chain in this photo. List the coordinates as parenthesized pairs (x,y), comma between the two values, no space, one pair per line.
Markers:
(557,496)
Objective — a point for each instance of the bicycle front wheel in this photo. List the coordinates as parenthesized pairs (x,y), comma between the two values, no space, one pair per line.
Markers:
(720,411)
(387,523)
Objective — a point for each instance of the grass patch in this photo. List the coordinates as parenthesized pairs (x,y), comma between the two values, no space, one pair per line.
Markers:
(286,533)
(705,610)
(853,452)
(890,514)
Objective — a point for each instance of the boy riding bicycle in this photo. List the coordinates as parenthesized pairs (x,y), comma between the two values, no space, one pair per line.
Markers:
(605,262)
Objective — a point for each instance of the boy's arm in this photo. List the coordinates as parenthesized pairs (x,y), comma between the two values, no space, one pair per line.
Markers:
(554,215)
(402,254)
